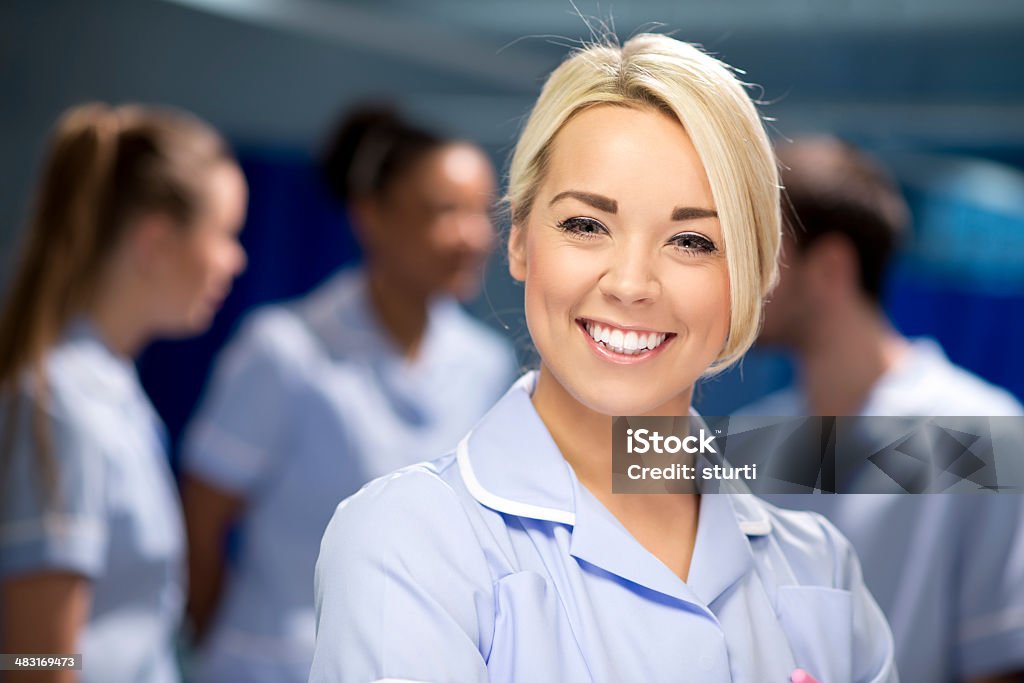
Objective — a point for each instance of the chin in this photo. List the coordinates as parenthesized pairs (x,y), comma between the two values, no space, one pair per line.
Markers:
(628,396)
(202,323)
(195,324)
(464,289)
(469,278)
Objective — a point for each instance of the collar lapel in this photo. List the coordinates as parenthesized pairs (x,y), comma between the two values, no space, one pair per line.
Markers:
(600,540)
(722,553)
(510,464)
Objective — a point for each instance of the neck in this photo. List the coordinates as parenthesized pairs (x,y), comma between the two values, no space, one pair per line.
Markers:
(844,358)
(583,435)
(666,525)
(402,313)
(118,316)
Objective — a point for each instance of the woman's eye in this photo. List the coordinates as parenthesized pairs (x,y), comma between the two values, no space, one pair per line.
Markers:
(694,243)
(585,228)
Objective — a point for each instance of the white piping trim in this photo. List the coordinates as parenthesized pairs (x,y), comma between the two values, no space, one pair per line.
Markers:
(750,527)
(759,527)
(52,525)
(496,502)
(762,526)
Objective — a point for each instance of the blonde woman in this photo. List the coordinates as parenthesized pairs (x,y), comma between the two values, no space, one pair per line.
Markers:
(645,230)
(134,237)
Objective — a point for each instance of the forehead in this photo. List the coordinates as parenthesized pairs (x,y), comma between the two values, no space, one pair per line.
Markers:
(620,150)
(228,193)
(456,166)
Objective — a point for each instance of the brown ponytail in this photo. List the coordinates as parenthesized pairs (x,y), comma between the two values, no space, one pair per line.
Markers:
(104,167)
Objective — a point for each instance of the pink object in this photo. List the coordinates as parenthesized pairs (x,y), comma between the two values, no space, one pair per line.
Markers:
(801,676)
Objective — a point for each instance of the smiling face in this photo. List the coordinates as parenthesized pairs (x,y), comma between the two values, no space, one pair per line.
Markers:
(624,265)
(432,231)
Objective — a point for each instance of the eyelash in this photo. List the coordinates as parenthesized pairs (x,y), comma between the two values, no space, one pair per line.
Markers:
(573,226)
(703,246)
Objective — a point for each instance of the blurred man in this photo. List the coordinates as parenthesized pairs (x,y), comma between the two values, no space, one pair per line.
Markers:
(947,569)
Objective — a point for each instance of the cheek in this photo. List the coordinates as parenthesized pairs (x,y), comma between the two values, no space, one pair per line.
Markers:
(438,234)
(409,239)
(558,279)
(702,303)
(205,263)
(177,267)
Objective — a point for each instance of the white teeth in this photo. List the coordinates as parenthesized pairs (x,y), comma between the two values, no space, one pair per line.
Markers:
(625,342)
(615,340)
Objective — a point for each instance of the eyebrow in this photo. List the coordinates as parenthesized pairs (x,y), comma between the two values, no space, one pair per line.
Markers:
(689,213)
(608,205)
(597,201)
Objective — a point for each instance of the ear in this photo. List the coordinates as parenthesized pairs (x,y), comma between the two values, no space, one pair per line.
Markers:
(517,252)
(832,265)
(365,214)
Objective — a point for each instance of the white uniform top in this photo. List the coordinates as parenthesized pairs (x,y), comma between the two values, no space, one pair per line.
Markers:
(948,570)
(494,563)
(115,518)
(309,402)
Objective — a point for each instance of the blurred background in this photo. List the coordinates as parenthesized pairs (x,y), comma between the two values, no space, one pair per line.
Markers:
(933,87)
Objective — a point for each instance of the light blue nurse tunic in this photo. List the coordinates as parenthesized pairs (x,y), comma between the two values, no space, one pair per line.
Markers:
(494,563)
(307,404)
(115,518)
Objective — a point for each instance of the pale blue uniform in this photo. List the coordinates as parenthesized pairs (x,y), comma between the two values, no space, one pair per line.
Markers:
(494,563)
(307,404)
(948,570)
(115,518)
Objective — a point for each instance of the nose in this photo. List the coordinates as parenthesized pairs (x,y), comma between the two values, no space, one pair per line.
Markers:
(474,232)
(630,277)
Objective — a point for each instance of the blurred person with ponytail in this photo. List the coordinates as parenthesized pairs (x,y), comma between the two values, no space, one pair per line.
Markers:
(133,237)
(315,397)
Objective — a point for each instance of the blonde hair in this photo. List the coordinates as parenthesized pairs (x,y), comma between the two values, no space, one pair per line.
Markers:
(660,72)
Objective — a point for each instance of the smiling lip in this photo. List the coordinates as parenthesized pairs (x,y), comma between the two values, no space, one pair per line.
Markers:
(618,347)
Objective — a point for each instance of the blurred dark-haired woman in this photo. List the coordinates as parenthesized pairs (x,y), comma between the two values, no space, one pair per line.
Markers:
(134,237)
(315,397)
